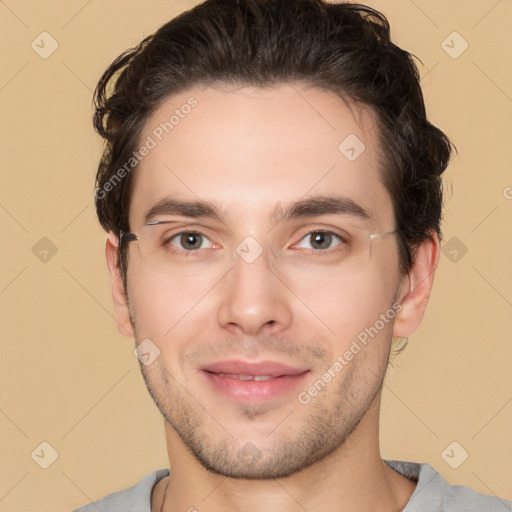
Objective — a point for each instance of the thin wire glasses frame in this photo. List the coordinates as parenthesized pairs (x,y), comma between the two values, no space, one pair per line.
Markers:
(126,237)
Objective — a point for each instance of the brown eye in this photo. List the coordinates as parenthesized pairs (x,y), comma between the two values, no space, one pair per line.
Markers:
(320,241)
(189,241)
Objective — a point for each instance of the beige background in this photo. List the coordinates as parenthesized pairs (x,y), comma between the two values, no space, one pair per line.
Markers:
(69,379)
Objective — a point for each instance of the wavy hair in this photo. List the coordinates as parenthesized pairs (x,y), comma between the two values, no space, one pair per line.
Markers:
(343,48)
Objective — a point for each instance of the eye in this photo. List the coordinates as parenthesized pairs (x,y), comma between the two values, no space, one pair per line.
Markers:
(190,241)
(320,241)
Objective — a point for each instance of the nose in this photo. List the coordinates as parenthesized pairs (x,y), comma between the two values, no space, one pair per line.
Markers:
(253,298)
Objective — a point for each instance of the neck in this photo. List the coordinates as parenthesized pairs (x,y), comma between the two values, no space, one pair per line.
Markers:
(353,477)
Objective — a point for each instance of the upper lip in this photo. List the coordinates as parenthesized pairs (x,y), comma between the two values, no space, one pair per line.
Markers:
(238,367)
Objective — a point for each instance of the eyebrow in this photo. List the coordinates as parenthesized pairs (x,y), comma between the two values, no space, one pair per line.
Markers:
(309,207)
(321,205)
(192,209)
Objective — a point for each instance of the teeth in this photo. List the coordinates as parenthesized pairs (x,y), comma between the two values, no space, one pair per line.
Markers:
(256,378)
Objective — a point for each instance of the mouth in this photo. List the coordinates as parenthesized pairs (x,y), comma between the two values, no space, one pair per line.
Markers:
(253,383)
(247,377)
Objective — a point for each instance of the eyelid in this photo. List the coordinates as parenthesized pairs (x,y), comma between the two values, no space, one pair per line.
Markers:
(174,232)
(178,234)
(181,226)
(304,231)
(341,235)
(192,224)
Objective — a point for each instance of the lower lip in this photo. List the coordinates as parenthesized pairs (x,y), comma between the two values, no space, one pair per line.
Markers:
(251,391)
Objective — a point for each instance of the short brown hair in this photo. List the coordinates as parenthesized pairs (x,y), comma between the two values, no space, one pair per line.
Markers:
(344,48)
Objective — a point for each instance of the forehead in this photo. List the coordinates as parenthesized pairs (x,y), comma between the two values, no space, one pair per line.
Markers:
(253,151)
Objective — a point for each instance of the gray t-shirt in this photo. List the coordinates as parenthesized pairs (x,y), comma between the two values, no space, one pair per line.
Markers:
(432,494)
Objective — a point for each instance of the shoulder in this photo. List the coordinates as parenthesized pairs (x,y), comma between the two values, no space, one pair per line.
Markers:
(136,498)
(434,494)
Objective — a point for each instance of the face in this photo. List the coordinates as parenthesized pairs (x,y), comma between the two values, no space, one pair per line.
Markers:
(257,275)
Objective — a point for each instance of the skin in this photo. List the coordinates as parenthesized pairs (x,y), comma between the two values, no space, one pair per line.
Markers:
(250,152)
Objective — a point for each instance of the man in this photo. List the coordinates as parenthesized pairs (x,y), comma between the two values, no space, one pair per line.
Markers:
(271,189)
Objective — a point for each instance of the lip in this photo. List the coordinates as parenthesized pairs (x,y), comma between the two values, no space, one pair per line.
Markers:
(239,367)
(221,377)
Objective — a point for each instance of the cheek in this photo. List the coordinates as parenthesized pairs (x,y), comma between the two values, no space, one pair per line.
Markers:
(347,306)
(162,307)
(335,310)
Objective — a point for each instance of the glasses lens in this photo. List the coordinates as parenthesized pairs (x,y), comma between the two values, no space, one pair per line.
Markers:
(319,254)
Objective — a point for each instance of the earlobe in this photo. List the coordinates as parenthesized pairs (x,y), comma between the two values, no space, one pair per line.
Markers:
(416,287)
(119,296)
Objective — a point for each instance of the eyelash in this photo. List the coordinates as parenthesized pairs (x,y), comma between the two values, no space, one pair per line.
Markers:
(320,252)
(167,242)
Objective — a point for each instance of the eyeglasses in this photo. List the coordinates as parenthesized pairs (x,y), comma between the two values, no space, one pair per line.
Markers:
(183,250)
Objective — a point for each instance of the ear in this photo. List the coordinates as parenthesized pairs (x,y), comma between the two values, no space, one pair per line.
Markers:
(416,287)
(119,296)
